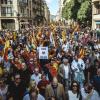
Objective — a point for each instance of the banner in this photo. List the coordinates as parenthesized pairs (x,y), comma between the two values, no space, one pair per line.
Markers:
(43,52)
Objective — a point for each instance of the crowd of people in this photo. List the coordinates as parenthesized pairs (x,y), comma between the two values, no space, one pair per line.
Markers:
(71,72)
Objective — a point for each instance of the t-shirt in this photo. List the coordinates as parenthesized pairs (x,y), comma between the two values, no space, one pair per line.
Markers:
(72,96)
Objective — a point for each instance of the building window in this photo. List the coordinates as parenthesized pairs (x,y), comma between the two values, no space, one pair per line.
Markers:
(3,1)
(9,2)
(6,1)
(3,11)
(6,11)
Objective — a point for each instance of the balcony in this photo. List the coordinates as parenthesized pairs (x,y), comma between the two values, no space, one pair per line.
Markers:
(7,15)
(96,17)
(6,5)
(95,0)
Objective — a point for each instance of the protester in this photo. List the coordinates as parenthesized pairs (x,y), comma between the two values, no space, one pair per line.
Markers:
(74,93)
(36,76)
(78,67)
(96,81)
(16,89)
(64,73)
(73,54)
(55,89)
(3,90)
(42,85)
(88,92)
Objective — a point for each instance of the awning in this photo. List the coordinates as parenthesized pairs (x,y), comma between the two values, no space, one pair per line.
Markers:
(98,22)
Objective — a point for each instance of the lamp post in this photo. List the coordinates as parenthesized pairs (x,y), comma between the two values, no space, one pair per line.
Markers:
(18,16)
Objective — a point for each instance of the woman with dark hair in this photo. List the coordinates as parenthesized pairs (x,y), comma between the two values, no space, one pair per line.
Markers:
(74,93)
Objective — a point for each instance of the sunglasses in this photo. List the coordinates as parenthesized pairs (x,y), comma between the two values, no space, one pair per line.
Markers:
(74,85)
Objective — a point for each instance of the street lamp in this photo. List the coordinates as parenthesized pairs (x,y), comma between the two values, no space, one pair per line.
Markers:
(18,16)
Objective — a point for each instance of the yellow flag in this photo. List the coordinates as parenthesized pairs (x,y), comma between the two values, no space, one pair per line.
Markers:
(64,35)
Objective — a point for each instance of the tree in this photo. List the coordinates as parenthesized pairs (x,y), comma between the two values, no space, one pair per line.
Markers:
(78,10)
(66,12)
(85,12)
(74,9)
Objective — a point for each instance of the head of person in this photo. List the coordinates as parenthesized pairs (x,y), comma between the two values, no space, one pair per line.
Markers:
(33,94)
(17,78)
(43,77)
(88,87)
(76,57)
(32,84)
(36,71)
(75,87)
(96,63)
(98,71)
(55,82)
(65,61)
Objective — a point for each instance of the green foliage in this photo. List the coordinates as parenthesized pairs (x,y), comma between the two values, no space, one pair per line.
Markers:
(78,10)
(81,15)
(66,13)
(75,9)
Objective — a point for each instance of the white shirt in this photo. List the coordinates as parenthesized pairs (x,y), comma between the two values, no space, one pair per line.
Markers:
(75,65)
(37,78)
(72,96)
(66,71)
(65,47)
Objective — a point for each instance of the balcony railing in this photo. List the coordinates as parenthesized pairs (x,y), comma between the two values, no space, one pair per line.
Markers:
(95,0)
(6,5)
(7,15)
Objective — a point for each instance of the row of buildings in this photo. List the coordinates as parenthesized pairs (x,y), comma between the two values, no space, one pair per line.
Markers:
(16,14)
(95,12)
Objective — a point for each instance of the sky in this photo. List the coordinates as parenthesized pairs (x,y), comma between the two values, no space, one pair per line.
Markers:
(53,6)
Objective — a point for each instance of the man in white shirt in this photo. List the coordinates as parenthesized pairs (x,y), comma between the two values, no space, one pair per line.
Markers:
(36,76)
(64,72)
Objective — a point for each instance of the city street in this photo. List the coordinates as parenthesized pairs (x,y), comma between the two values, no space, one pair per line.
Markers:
(49,49)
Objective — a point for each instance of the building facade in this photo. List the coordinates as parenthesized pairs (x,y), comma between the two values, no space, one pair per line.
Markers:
(16,14)
(95,14)
(61,5)
(47,13)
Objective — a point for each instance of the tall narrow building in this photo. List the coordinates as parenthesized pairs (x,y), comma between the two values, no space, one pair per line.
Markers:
(95,14)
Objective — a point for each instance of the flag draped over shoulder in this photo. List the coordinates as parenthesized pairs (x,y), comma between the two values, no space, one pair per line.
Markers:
(82,53)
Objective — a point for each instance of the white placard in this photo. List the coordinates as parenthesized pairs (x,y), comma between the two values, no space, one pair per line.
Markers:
(43,52)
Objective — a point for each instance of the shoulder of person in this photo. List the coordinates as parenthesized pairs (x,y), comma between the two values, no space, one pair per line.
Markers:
(95,93)
(61,65)
(40,97)
(48,86)
(60,85)
(69,91)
